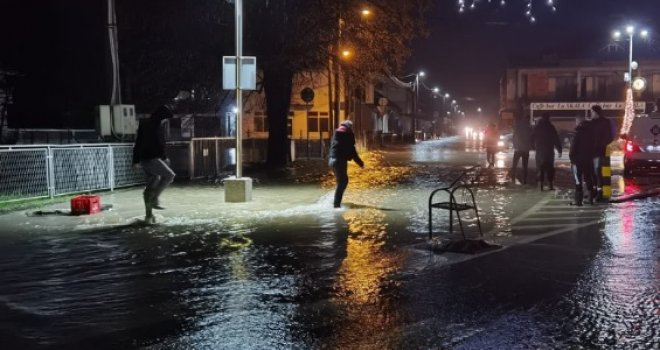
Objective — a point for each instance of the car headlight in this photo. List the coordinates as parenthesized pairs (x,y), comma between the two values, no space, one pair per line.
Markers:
(500,143)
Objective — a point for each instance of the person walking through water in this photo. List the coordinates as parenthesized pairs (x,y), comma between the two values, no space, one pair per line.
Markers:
(546,139)
(491,137)
(342,149)
(602,134)
(522,144)
(149,154)
(581,161)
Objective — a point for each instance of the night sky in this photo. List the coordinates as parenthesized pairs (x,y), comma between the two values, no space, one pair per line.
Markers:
(62,48)
(468,53)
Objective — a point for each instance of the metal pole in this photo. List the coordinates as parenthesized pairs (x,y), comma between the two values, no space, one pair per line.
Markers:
(414,123)
(239,99)
(630,58)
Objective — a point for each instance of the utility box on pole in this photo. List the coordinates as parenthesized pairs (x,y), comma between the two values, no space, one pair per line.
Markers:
(117,120)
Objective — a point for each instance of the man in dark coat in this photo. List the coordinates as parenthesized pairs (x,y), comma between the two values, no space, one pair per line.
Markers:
(546,140)
(149,154)
(342,149)
(522,144)
(581,160)
(602,135)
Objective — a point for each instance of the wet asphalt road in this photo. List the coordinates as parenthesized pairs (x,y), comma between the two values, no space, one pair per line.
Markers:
(358,278)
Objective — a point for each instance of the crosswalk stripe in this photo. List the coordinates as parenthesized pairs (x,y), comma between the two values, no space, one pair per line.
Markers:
(557,225)
(554,218)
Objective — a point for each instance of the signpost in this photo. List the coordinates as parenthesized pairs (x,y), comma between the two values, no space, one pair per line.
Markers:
(243,71)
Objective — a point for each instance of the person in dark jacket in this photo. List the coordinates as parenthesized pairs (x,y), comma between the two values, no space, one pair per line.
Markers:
(546,140)
(522,144)
(603,134)
(149,154)
(581,160)
(342,149)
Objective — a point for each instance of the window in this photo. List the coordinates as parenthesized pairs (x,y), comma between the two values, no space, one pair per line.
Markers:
(260,122)
(318,121)
(565,88)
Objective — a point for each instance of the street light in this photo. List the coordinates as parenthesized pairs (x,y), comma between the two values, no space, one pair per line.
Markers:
(630,31)
(629,113)
(416,103)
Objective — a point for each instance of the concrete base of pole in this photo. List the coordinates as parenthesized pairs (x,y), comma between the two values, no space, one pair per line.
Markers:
(238,190)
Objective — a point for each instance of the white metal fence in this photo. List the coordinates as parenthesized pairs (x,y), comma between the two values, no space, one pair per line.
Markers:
(36,171)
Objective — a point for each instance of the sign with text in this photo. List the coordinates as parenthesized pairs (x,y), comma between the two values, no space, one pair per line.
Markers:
(582,106)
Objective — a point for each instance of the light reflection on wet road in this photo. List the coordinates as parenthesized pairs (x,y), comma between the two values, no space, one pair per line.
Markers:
(318,278)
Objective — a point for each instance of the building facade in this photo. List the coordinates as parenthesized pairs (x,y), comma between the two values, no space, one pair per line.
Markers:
(569,88)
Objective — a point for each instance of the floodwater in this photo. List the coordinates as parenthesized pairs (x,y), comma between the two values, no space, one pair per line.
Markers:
(309,277)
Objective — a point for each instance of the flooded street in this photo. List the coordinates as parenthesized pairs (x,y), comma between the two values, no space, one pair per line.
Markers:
(290,272)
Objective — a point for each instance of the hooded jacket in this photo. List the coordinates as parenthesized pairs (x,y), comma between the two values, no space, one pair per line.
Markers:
(342,146)
(150,141)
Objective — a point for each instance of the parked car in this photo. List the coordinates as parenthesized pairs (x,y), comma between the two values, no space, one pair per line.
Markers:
(642,147)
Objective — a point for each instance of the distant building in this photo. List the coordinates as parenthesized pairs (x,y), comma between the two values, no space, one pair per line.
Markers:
(569,88)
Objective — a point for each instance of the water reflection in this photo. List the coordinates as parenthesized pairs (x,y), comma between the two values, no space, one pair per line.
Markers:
(365,288)
(616,303)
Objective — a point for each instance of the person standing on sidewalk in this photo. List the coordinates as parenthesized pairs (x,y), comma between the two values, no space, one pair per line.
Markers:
(491,137)
(149,154)
(342,149)
(522,144)
(603,133)
(546,140)
(581,160)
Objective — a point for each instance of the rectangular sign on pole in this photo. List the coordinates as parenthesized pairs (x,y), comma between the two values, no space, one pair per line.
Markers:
(248,73)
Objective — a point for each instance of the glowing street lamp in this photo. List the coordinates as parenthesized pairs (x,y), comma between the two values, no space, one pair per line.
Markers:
(629,113)
(416,102)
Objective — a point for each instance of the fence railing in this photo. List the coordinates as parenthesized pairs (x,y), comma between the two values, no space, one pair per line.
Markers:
(41,171)
(37,171)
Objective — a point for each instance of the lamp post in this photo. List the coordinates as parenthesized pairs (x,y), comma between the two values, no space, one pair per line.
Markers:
(630,31)
(629,113)
(416,103)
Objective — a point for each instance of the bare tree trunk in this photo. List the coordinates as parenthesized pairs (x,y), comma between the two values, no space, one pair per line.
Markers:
(278,84)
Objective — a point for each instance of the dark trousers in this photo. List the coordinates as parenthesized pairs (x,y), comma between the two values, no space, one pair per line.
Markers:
(546,169)
(517,155)
(490,155)
(597,175)
(340,168)
(159,176)
(583,175)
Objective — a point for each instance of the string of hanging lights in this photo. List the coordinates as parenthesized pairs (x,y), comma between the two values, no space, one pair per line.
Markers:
(463,5)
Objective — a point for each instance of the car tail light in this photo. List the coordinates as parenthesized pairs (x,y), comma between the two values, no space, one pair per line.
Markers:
(631,147)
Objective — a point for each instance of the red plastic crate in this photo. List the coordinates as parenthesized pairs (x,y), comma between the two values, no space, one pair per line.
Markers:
(85,205)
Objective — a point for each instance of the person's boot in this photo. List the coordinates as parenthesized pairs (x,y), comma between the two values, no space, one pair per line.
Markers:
(578,197)
(592,196)
(551,187)
(156,205)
